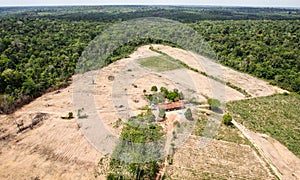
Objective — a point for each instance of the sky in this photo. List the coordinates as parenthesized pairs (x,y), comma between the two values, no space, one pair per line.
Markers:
(255,3)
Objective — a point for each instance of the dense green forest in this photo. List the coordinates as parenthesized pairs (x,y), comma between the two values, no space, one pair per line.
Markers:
(39,46)
(185,14)
(268,49)
(37,54)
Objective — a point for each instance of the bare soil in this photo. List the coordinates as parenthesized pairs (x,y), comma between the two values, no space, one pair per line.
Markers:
(254,86)
(52,149)
(217,160)
(122,97)
(55,148)
(283,162)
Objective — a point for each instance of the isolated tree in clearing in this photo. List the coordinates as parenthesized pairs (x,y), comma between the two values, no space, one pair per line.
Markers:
(162,113)
(214,104)
(154,88)
(188,114)
(227,120)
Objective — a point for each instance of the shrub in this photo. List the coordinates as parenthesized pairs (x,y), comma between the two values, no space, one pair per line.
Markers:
(170,160)
(144,108)
(118,123)
(172,96)
(188,114)
(181,97)
(149,116)
(154,88)
(164,91)
(214,105)
(213,102)
(70,115)
(162,113)
(157,98)
(227,120)
(194,100)
(80,115)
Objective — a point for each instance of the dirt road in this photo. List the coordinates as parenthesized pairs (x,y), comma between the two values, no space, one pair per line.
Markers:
(283,162)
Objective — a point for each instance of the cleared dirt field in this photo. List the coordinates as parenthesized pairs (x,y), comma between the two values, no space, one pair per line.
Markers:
(55,148)
(121,96)
(52,149)
(118,89)
(218,160)
(254,86)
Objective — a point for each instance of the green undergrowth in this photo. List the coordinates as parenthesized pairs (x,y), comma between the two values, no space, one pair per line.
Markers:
(225,133)
(138,154)
(277,115)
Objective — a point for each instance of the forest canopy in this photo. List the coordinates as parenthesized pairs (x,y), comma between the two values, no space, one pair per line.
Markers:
(267,49)
(40,46)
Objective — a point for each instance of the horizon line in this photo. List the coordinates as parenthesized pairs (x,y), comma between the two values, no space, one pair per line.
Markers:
(180,5)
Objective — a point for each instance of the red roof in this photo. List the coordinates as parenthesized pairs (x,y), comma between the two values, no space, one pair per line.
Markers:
(173,105)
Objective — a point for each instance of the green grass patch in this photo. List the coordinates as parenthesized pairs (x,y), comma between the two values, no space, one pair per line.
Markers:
(159,63)
(277,115)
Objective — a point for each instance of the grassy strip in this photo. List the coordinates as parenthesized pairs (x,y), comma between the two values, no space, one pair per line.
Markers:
(159,63)
(276,115)
(244,92)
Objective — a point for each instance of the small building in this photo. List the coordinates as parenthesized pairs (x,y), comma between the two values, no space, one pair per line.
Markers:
(172,106)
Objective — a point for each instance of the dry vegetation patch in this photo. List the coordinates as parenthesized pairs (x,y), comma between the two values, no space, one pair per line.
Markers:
(225,133)
(217,160)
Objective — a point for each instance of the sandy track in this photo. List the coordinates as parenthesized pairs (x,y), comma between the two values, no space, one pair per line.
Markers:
(285,163)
